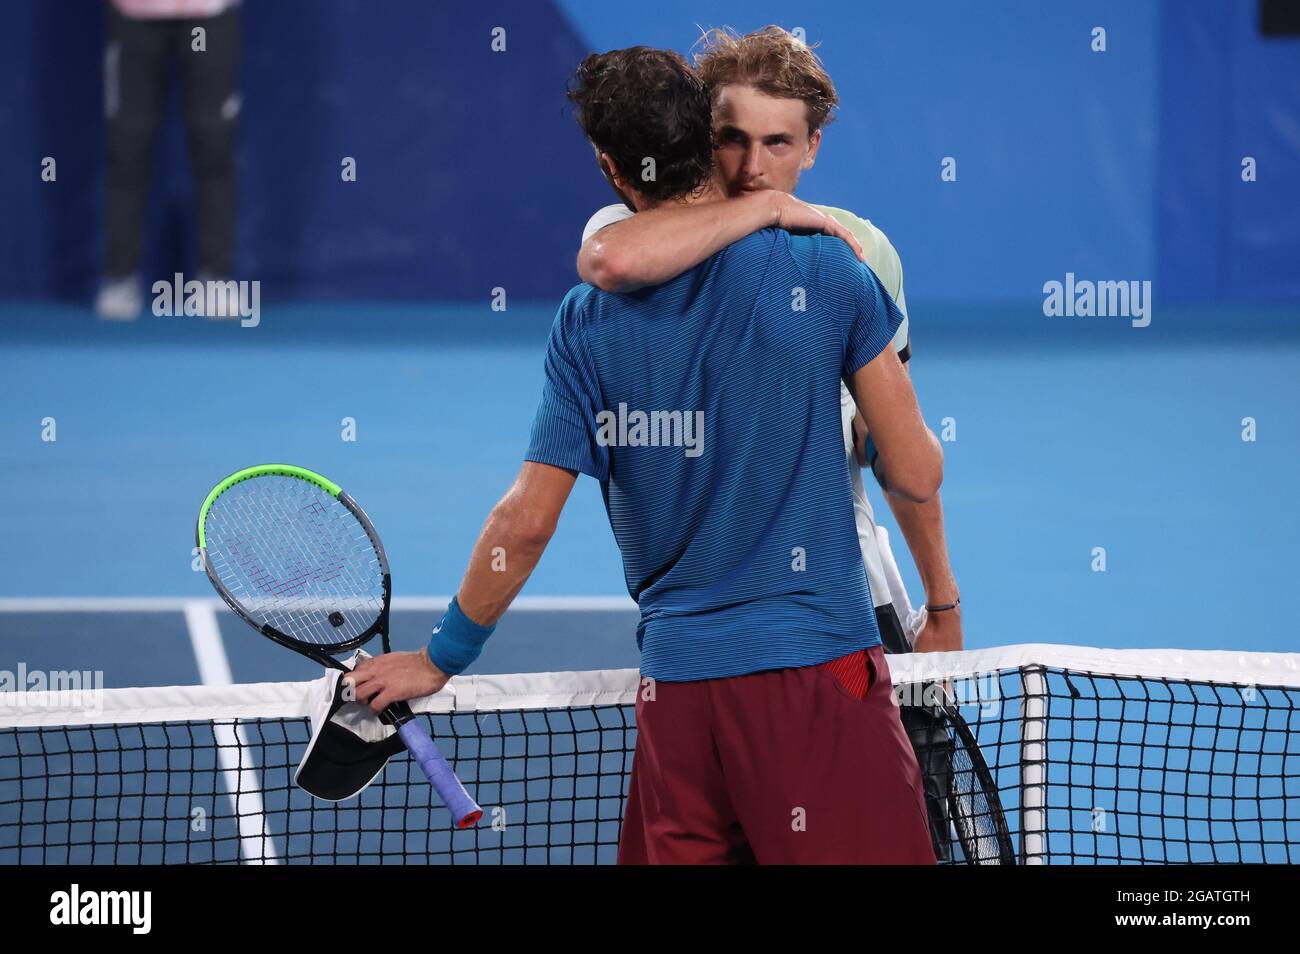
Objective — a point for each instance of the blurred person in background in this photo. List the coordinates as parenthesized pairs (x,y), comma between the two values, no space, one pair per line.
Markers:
(144,38)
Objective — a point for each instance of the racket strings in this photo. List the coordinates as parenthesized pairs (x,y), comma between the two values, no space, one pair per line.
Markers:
(975,819)
(295,557)
(962,800)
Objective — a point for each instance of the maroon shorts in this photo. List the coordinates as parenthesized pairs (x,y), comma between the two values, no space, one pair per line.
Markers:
(788,766)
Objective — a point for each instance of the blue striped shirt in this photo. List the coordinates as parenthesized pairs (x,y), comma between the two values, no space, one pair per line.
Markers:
(709,410)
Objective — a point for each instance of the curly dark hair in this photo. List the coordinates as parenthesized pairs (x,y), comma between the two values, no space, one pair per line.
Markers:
(641,103)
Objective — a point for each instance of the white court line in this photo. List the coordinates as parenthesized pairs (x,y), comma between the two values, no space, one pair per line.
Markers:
(243,786)
(173,604)
(97,604)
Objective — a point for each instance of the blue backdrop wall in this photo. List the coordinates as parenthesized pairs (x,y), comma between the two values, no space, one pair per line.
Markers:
(471,174)
(1226,94)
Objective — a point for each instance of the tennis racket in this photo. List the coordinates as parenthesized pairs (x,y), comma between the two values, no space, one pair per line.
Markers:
(300,562)
(962,797)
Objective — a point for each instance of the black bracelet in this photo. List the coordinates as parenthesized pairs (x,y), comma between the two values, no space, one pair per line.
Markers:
(943,606)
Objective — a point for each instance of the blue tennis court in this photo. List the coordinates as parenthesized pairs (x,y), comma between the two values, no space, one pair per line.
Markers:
(1100,436)
(1090,206)
(1115,449)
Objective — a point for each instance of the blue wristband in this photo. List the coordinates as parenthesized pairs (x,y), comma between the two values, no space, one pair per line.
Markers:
(457,640)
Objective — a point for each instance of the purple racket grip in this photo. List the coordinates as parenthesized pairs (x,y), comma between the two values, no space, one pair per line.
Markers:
(464,810)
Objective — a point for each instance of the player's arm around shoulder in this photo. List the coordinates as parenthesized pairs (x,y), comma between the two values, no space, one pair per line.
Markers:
(622,252)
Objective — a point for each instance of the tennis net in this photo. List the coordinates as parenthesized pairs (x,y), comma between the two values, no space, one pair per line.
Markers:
(1051,754)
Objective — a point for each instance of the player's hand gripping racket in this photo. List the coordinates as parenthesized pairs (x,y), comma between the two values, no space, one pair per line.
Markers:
(295,556)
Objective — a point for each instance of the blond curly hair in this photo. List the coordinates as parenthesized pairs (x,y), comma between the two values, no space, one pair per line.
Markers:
(773,61)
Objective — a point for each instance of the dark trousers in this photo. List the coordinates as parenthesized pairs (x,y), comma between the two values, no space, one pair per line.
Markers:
(135,78)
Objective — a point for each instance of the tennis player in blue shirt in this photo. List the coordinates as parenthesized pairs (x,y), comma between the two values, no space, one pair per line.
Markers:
(708,408)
